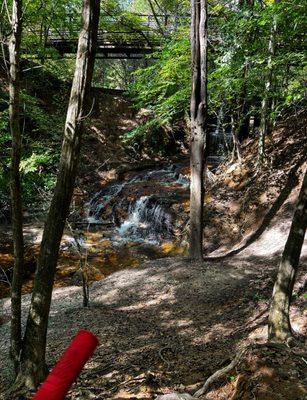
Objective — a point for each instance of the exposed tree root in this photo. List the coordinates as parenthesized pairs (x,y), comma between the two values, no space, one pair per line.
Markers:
(162,358)
(221,372)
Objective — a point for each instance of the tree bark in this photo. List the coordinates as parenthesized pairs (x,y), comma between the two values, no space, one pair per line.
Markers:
(33,364)
(266,101)
(198,109)
(279,321)
(243,118)
(236,155)
(16,192)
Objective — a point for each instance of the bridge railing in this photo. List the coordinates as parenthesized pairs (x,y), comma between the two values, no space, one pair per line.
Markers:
(59,38)
(122,33)
(147,25)
(150,20)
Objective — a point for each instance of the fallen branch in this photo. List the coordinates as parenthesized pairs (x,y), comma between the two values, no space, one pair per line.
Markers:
(6,278)
(221,372)
(105,223)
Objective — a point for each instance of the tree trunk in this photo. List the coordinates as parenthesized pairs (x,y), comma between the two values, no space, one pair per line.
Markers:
(16,197)
(199,36)
(242,104)
(265,104)
(239,117)
(3,48)
(156,18)
(235,140)
(279,322)
(33,364)
(244,132)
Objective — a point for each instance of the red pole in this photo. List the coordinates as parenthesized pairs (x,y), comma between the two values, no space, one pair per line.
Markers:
(60,379)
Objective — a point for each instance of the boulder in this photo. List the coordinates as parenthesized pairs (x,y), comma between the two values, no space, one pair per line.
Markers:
(175,396)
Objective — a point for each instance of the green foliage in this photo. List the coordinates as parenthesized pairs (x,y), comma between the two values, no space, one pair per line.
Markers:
(32,163)
(4,120)
(238,65)
(61,68)
(163,87)
(36,187)
(42,130)
(38,120)
(5,138)
(4,188)
(148,137)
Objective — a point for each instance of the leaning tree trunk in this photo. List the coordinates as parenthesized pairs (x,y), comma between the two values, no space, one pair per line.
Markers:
(16,197)
(156,17)
(199,36)
(279,321)
(33,367)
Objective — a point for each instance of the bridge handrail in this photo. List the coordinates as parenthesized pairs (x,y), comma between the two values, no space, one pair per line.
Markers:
(144,36)
(68,34)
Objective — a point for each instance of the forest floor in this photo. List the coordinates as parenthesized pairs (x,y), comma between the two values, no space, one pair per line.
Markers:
(171,323)
(167,324)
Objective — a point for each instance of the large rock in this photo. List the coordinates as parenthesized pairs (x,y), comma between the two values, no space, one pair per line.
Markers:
(175,396)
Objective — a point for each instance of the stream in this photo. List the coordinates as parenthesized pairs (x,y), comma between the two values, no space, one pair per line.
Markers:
(124,224)
(141,217)
(127,222)
(140,208)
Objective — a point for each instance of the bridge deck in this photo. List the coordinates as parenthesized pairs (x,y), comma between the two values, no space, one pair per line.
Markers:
(109,44)
(132,42)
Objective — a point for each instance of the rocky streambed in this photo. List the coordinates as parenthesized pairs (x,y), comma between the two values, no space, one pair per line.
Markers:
(140,217)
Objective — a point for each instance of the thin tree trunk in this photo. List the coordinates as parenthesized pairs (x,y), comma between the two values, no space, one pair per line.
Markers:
(199,36)
(16,192)
(160,8)
(243,106)
(156,18)
(237,118)
(4,53)
(235,141)
(225,140)
(34,346)
(176,17)
(265,104)
(279,321)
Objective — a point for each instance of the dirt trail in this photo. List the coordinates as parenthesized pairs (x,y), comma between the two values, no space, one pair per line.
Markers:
(168,325)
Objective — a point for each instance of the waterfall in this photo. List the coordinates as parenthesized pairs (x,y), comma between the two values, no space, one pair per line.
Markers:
(183,180)
(101,200)
(147,220)
(146,217)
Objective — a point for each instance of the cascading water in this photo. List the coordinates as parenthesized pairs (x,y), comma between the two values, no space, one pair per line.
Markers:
(137,209)
(147,220)
(183,181)
(101,200)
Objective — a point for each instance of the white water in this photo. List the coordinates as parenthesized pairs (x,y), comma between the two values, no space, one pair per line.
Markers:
(147,220)
(134,219)
(100,201)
